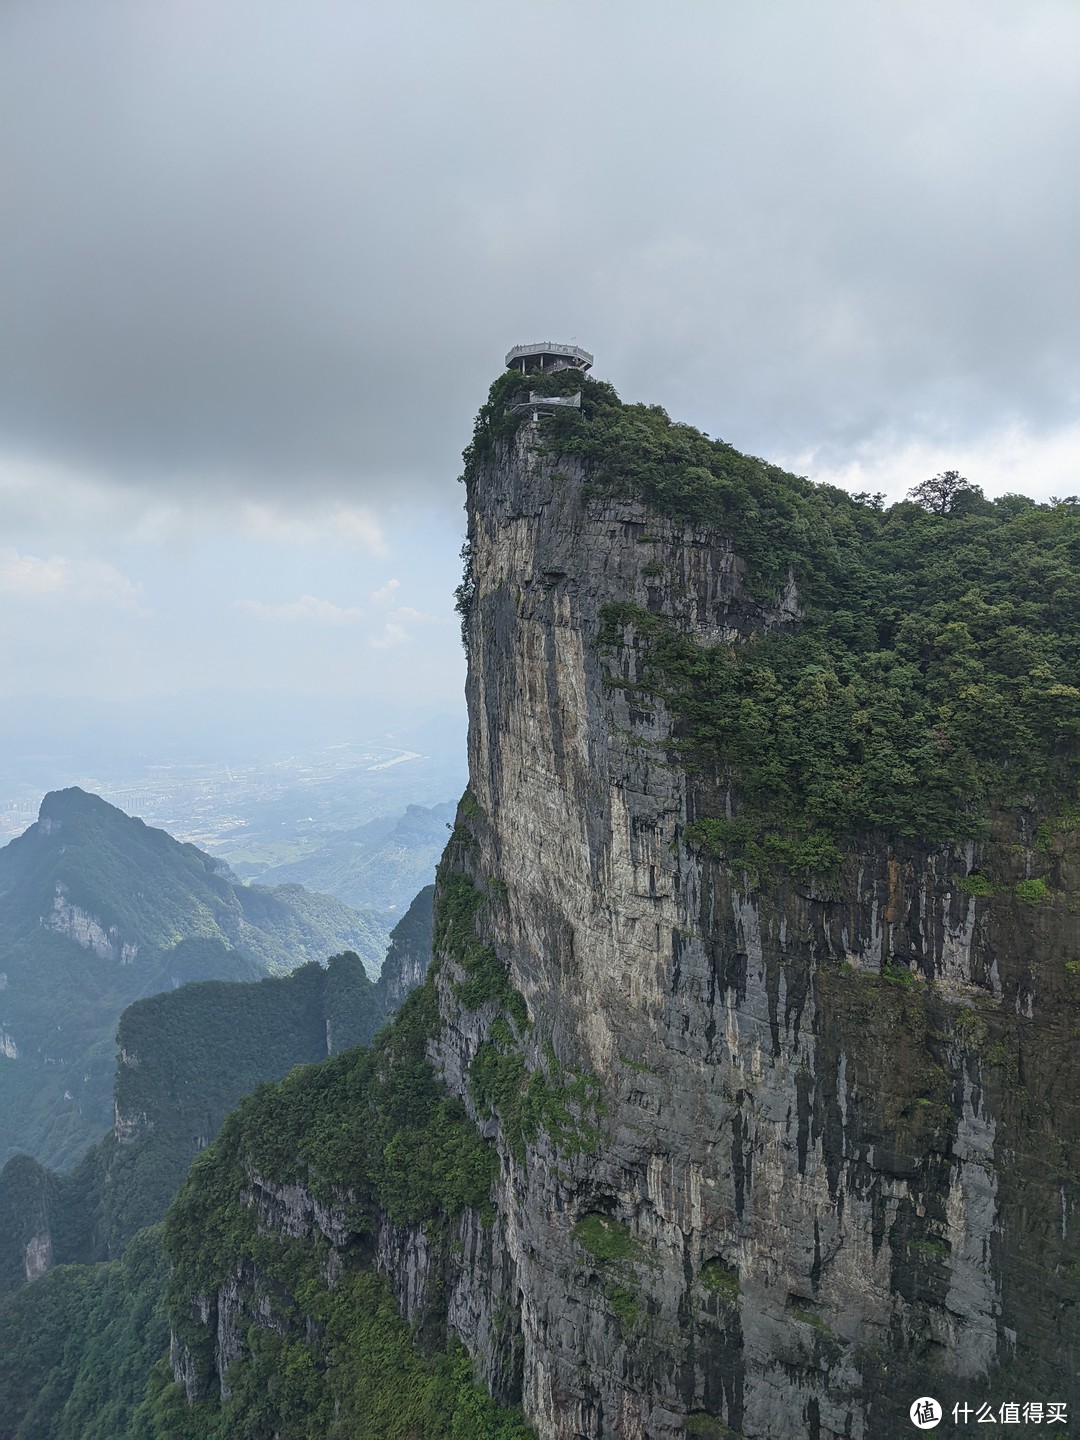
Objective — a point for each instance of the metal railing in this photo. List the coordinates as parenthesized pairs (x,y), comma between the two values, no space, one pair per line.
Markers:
(548,347)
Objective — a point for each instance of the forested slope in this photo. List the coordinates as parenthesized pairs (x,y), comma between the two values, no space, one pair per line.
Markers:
(78,1344)
(98,910)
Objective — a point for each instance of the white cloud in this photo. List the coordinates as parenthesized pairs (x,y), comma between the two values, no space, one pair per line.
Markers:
(34,577)
(421,617)
(391,636)
(1008,460)
(394,631)
(386,592)
(307,608)
(346,525)
(70,502)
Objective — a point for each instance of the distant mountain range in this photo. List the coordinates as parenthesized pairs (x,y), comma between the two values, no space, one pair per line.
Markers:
(98,910)
(381,864)
(184,1059)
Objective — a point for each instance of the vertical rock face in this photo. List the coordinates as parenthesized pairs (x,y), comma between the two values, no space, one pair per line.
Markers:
(832,1160)
(87,931)
(409,952)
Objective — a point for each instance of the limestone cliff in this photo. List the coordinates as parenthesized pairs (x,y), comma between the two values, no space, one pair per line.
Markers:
(775,1155)
(836,1189)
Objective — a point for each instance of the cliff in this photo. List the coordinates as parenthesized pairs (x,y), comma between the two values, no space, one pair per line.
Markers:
(781,1118)
(840,1122)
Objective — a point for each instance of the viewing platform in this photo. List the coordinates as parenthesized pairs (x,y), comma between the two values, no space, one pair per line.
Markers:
(545,405)
(545,355)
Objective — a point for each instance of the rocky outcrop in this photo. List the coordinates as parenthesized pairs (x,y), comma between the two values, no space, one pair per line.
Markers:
(409,953)
(37,1257)
(86,930)
(26,1222)
(819,1150)
(775,1158)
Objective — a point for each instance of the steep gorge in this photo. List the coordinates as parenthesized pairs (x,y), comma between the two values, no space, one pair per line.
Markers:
(775,1148)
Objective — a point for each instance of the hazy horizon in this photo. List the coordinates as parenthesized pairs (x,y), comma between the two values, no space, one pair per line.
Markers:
(261,263)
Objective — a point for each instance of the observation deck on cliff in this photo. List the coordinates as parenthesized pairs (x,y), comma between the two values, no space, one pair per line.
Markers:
(545,355)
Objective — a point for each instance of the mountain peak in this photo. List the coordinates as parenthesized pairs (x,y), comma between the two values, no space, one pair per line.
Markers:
(63,804)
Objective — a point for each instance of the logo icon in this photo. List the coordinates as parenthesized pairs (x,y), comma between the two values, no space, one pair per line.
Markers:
(925,1413)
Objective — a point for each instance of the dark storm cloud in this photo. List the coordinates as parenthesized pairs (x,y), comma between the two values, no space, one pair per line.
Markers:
(262,246)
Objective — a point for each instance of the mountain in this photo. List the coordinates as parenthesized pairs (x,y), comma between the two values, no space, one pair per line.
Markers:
(741,1097)
(186,1057)
(98,910)
(380,865)
(77,1345)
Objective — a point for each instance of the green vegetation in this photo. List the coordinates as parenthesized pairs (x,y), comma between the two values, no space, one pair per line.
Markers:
(376,1123)
(187,1057)
(1032,892)
(306,926)
(636,1067)
(720,1279)
(77,1346)
(971,1026)
(469,810)
(818,743)
(1060,832)
(372,1133)
(931,679)
(363,1378)
(369,1132)
(458,909)
(634,451)
(551,1097)
(625,1306)
(808,1317)
(190,1055)
(754,852)
(978,885)
(148,890)
(900,976)
(608,1240)
(159,914)
(615,1252)
(708,1427)
(931,1249)
(934,675)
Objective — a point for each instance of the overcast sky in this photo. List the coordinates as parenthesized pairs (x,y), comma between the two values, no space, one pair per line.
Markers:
(259,262)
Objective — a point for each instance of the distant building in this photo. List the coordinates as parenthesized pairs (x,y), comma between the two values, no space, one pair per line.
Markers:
(544,355)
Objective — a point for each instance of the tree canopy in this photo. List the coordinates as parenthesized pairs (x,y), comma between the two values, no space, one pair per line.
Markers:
(945,493)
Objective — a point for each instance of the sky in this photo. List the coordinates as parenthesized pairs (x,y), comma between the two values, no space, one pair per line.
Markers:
(259,262)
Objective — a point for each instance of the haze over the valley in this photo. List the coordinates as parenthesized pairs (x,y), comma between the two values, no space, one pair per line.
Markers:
(259,263)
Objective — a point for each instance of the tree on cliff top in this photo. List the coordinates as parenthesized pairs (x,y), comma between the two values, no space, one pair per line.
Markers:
(939,495)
